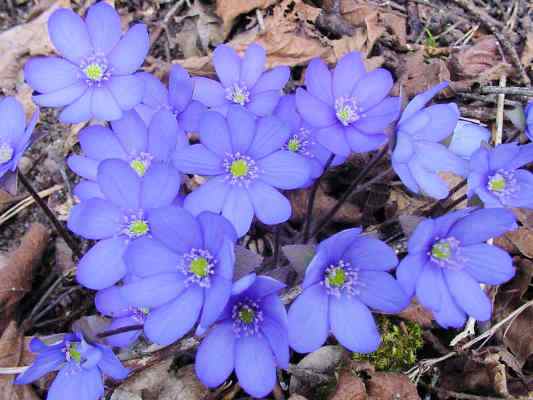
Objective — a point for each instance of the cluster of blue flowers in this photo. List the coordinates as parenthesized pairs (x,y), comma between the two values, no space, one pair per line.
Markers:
(166,260)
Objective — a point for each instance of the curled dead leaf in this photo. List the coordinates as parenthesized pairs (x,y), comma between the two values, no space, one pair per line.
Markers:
(229,10)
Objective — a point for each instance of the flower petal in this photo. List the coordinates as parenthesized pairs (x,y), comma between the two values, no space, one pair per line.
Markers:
(208,92)
(95,219)
(242,126)
(238,209)
(214,133)
(45,362)
(77,383)
(77,111)
(404,173)
(110,365)
(309,320)
(111,303)
(169,323)
(278,340)
(119,183)
(103,105)
(502,155)
(215,357)
(254,350)
(210,196)
(382,292)
(368,253)
(428,280)
(180,87)
(83,166)
(253,64)
(13,119)
(154,290)
(227,64)
(450,314)
(126,90)
(468,295)
(190,117)
(69,35)
(334,139)
(488,264)
(263,104)
(49,74)
(61,97)
(100,143)
(481,225)
(128,55)
(422,237)
(270,135)
(124,339)
(420,100)
(409,271)
(197,159)
(430,183)
(363,143)
(147,256)
(372,88)
(87,190)
(215,229)
(348,71)
(270,206)
(132,133)
(216,297)
(353,325)
(274,79)
(284,170)
(314,111)
(102,266)
(318,81)
(164,135)
(103,24)
(160,186)
(435,157)
(176,228)
(379,117)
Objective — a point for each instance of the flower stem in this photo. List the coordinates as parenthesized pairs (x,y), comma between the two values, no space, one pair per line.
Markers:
(355,188)
(60,229)
(123,329)
(311,202)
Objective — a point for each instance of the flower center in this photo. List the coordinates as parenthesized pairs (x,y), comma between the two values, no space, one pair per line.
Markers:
(503,184)
(95,69)
(240,169)
(446,253)
(135,225)
(347,110)
(198,265)
(341,278)
(293,144)
(6,153)
(141,163)
(72,352)
(299,143)
(139,313)
(238,94)
(247,317)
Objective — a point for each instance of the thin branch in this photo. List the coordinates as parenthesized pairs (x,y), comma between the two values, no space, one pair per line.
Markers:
(123,329)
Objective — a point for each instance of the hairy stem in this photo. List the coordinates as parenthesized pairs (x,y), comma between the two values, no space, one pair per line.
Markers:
(123,329)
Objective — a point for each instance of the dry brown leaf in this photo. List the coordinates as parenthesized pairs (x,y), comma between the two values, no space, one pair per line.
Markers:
(16,272)
(13,354)
(527,53)
(349,387)
(229,10)
(416,313)
(522,238)
(21,41)
(390,385)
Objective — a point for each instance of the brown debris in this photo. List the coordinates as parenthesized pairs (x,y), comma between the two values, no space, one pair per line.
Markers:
(16,272)
(229,10)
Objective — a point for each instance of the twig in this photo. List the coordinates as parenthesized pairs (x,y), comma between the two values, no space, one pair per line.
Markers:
(123,329)
(277,233)
(311,202)
(54,303)
(60,229)
(513,90)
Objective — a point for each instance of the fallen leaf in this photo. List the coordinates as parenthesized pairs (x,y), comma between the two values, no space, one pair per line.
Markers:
(416,313)
(246,261)
(28,39)
(471,61)
(522,238)
(390,385)
(299,256)
(229,10)
(16,272)
(13,353)
(349,387)
(527,53)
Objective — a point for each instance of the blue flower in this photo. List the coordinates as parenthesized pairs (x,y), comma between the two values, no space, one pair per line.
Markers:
(80,366)
(94,77)
(177,99)
(467,138)
(243,81)
(15,137)
(302,139)
(448,259)
(186,264)
(418,156)
(250,336)
(529,120)
(347,276)
(243,156)
(129,139)
(122,216)
(349,107)
(497,179)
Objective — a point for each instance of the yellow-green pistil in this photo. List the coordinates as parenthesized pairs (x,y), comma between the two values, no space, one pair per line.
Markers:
(138,227)
(239,168)
(497,184)
(94,72)
(139,167)
(337,277)
(441,250)
(73,353)
(199,267)
(246,315)
(293,145)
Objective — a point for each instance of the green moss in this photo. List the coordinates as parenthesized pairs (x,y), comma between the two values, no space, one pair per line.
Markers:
(400,343)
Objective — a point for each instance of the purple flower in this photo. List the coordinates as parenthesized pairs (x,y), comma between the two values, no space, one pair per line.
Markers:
(497,179)
(186,264)
(348,106)
(178,99)
(529,120)
(243,156)
(111,304)
(418,155)
(80,366)
(15,137)
(129,140)
(302,140)
(467,138)
(243,81)
(93,78)
(122,216)
(448,258)
(250,336)
(347,276)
